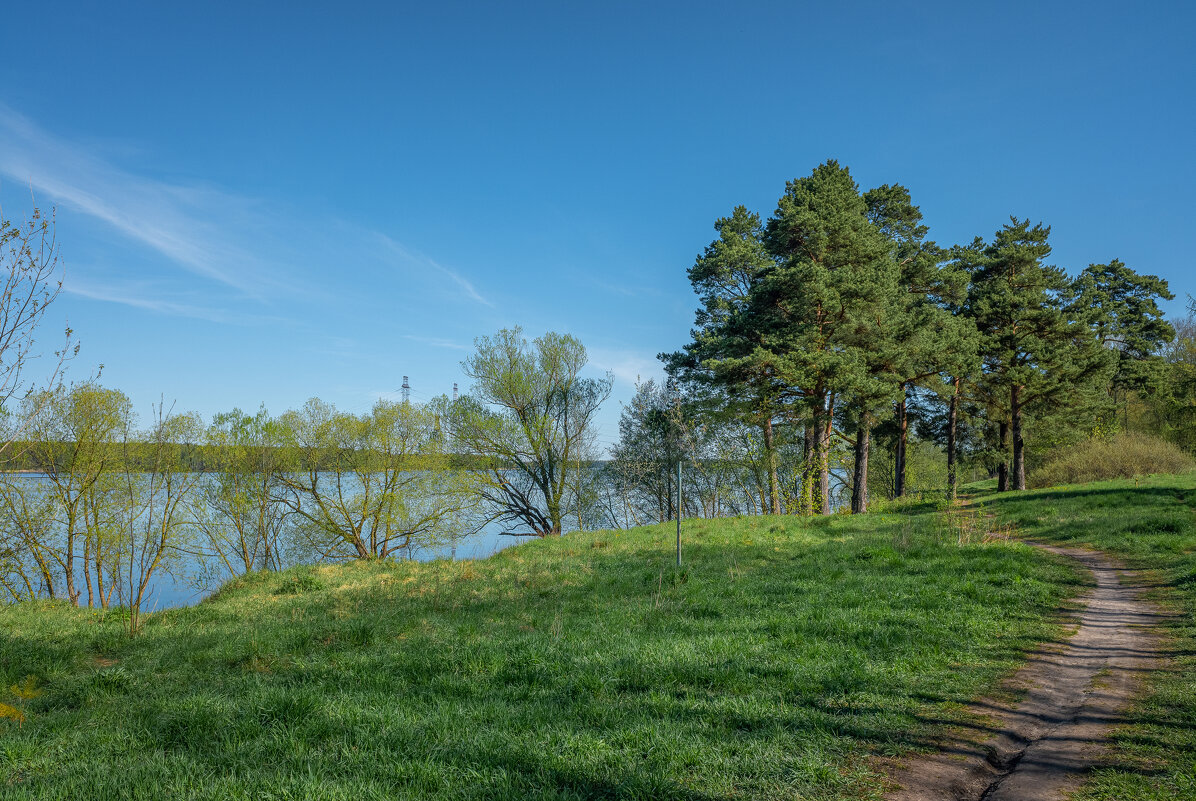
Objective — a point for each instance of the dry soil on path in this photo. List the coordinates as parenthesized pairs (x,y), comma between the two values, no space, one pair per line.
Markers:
(1075,693)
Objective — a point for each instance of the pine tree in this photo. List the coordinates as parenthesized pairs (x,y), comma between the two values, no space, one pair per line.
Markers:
(1036,351)
(819,310)
(1122,307)
(935,341)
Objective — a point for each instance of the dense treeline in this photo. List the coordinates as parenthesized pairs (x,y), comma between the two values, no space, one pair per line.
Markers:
(837,322)
(29,457)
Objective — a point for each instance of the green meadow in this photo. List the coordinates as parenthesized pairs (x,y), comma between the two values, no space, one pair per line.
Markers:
(784,655)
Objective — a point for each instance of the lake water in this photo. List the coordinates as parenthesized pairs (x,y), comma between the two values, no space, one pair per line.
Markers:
(181,587)
(167,591)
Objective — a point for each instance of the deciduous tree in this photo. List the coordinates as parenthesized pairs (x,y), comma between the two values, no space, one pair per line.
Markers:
(527,425)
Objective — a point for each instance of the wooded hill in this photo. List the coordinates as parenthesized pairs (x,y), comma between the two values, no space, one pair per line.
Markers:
(837,313)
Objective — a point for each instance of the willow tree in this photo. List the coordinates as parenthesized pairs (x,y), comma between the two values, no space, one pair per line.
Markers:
(526,427)
(74,435)
(30,281)
(158,487)
(248,506)
(372,485)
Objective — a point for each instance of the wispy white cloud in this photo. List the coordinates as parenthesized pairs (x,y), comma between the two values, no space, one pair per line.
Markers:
(143,295)
(411,257)
(195,227)
(263,251)
(135,295)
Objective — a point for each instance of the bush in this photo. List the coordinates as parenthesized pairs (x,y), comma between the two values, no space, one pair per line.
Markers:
(1123,455)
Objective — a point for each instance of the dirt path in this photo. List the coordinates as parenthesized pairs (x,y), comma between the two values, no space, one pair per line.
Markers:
(1075,694)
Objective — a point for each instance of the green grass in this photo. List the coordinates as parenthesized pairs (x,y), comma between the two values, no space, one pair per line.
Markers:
(784,655)
(1149,524)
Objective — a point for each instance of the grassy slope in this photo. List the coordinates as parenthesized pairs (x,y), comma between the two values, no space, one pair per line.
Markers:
(783,655)
(1149,524)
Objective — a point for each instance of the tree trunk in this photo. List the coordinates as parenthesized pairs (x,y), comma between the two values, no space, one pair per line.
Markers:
(899,455)
(952,423)
(87,556)
(859,488)
(824,456)
(774,485)
(1003,468)
(72,593)
(1019,445)
(807,476)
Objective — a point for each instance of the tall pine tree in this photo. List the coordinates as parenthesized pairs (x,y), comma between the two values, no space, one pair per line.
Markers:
(1036,351)
(819,309)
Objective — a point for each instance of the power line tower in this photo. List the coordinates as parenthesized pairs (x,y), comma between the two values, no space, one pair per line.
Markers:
(406,391)
(454,392)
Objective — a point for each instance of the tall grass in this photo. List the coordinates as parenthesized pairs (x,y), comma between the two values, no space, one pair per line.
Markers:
(1123,455)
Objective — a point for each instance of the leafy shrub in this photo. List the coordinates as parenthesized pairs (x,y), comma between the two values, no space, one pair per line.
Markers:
(1123,455)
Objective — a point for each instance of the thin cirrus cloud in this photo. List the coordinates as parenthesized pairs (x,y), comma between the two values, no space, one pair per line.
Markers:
(232,241)
(135,295)
(409,256)
(190,226)
(143,295)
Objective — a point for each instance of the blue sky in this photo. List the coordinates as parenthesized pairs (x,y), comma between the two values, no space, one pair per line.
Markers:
(258,203)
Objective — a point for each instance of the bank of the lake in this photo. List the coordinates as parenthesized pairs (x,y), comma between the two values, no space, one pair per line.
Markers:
(785,654)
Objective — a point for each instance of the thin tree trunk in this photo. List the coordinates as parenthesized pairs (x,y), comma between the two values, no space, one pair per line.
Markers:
(902,437)
(952,424)
(859,489)
(806,504)
(824,456)
(87,556)
(774,485)
(1019,445)
(72,593)
(1003,468)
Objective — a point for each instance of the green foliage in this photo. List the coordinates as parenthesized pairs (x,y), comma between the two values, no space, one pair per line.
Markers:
(1040,351)
(838,307)
(925,468)
(1122,455)
(1127,318)
(369,485)
(528,420)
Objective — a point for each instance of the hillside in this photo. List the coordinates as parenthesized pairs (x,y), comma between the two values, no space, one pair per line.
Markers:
(785,654)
